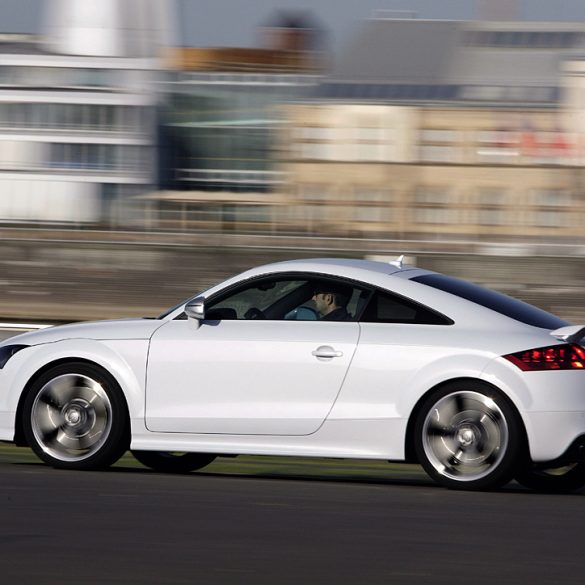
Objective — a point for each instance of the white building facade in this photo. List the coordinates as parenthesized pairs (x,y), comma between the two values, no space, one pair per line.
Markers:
(78,113)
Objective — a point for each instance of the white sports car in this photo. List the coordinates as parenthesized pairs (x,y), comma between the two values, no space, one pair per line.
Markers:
(317,358)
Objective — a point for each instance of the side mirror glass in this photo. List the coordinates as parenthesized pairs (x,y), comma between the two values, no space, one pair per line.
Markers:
(195,309)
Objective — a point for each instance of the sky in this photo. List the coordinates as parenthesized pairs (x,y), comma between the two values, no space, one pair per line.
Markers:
(235,22)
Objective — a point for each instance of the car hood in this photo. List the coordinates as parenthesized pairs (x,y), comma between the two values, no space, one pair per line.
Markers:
(118,329)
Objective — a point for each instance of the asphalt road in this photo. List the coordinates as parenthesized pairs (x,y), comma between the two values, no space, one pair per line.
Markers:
(129,525)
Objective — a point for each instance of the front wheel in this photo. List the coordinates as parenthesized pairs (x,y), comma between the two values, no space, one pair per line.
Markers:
(75,417)
(552,480)
(172,462)
(467,436)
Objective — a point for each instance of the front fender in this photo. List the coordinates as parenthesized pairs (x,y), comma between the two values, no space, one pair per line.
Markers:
(125,360)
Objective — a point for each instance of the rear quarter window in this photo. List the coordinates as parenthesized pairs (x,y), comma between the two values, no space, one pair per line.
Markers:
(496,301)
(387,308)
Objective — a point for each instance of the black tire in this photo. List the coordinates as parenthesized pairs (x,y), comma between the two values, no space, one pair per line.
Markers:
(75,417)
(171,462)
(468,436)
(552,480)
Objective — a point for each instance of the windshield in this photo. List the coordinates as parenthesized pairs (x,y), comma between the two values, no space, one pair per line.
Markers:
(501,303)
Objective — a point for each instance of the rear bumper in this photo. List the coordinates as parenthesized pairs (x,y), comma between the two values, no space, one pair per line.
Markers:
(555,436)
(551,404)
(574,454)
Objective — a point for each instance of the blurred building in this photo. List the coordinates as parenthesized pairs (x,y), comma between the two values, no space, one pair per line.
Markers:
(77,111)
(294,32)
(220,125)
(439,128)
(423,129)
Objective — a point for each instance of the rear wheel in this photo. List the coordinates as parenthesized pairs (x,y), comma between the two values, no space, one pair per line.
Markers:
(173,462)
(553,480)
(75,417)
(467,436)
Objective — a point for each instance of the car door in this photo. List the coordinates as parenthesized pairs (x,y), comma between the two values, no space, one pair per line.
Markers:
(264,374)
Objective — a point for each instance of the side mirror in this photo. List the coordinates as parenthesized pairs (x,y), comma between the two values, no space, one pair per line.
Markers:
(195,309)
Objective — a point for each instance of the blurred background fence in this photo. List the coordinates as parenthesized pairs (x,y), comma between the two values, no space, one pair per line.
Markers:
(117,274)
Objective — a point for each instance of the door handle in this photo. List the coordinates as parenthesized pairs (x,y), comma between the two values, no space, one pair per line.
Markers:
(326,352)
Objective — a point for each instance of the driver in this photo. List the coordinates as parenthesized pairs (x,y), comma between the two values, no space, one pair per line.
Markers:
(331,301)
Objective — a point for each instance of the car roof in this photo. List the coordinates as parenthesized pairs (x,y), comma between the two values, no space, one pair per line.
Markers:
(330,264)
(370,271)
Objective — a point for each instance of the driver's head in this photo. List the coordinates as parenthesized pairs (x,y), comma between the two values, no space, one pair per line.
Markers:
(329,296)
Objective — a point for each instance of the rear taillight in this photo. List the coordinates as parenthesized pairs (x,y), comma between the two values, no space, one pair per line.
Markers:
(556,357)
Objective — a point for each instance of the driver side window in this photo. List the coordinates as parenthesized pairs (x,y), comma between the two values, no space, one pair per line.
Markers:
(262,299)
(290,298)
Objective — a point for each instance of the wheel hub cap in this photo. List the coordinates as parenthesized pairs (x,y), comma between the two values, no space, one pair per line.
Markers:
(466,436)
(73,415)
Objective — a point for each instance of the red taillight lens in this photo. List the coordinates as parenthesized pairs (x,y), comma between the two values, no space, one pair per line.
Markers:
(556,357)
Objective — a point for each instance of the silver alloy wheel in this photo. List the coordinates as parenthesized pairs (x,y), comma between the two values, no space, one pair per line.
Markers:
(71,417)
(465,436)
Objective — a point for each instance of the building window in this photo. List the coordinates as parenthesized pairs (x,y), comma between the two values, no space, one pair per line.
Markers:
(318,133)
(524,39)
(436,216)
(491,207)
(439,145)
(74,117)
(553,207)
(433,135)
(366,143)
(371,214)
(436,205)
(315,193)
(552,197)
(102,157)
(550,219)
(491,196)
(432,196)
(372,204)
(315,142)
(315,151)
(436,153)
